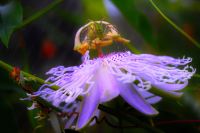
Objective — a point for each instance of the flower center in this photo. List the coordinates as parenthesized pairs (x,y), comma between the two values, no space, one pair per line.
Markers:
(95,35)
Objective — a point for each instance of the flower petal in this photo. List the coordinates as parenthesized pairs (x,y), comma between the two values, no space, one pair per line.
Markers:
(97,114)
(170,87)
(89,105)
(174,94)
(107,83)
(149,97)
(164,85)
(70,121)
(144,93)
(131,96)
(154,99)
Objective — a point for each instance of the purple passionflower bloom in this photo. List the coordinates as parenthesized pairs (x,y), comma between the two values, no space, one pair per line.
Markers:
(129,75)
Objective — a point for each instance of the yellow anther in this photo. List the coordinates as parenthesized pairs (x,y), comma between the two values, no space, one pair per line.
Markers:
(82,48)
(121,40)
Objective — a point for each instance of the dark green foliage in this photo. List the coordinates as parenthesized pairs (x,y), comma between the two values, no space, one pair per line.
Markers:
(10,18)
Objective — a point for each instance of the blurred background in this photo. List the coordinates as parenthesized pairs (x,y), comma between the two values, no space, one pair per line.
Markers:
(48,41)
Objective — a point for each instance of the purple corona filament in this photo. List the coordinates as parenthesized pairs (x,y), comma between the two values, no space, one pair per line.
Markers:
(101,79)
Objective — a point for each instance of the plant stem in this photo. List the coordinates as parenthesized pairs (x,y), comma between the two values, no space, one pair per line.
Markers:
(9,68)
(38,14)
(197,75)
(174,25)
(132,48)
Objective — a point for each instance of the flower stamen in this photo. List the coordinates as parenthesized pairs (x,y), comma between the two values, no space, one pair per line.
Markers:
(95,35)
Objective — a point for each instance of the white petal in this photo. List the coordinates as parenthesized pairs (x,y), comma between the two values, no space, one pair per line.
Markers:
(107,83)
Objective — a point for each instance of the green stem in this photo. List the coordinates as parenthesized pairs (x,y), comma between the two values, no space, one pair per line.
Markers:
(174,25)
(197,75)
(9,68)
(38,14)
(132,48)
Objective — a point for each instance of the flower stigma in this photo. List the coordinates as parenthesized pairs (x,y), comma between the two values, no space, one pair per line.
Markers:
(95,35)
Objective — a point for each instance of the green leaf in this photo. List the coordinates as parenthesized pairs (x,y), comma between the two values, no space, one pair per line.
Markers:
(136,18)
(10,18)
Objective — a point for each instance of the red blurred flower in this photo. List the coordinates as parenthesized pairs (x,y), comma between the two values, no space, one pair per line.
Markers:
(48,49)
